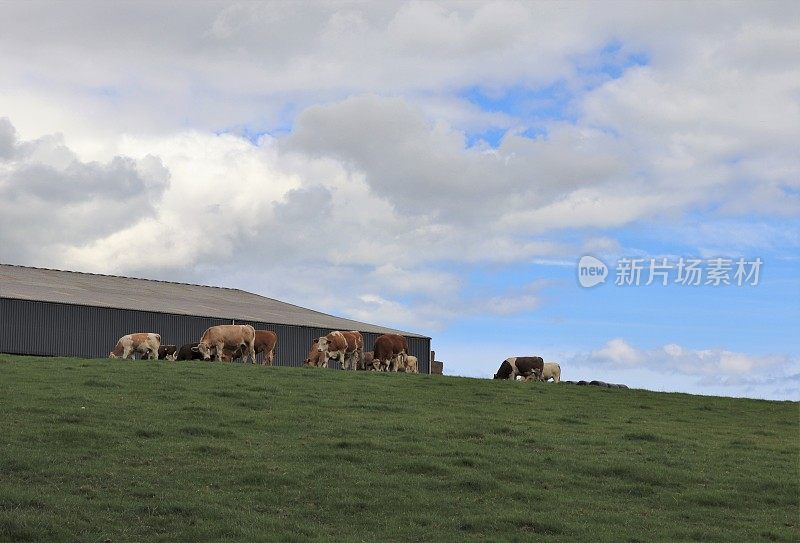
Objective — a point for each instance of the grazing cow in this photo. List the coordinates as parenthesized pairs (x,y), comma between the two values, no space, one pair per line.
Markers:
(145,343)
(390,352)
(265,342)
(347,347)
(525,366)
(315,357)
(167,352)
(188,352)
(216,338)
(552,370)
(368,358)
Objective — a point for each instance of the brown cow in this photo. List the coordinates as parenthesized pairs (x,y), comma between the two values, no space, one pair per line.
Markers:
(265,342)
(146,343)
(347,347)
(390,351)
(216,338)
(520,365)
(314,357)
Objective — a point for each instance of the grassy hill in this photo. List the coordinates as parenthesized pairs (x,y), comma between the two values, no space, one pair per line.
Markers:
(98,450)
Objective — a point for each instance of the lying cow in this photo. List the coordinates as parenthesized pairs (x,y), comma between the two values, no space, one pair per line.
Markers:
(145,343)
(216,338)
(347,347)
(188,352)
(167,352)
(391,351)
(525,366)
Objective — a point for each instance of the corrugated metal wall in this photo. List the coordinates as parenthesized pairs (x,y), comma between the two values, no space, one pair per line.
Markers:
(53,329)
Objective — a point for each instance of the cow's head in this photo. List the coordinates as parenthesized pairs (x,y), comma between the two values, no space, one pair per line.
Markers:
(322,344)
(112,355)
(204,349)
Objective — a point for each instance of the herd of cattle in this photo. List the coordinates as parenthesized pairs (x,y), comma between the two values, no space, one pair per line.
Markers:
(228,342)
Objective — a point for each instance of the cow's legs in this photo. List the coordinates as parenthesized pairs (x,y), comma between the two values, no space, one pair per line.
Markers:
(126,352)
(218,354)
(251,352)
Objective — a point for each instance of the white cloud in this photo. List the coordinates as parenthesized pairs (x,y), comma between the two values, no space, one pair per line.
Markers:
(617,351)
(712,366)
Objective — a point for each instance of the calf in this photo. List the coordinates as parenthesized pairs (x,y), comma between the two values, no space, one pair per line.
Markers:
(315,357)
(368,358)
(145,343)
(167,352)
(551,370)
(526,366)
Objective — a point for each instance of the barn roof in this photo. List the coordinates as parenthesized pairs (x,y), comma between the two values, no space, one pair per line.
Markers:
(68,287)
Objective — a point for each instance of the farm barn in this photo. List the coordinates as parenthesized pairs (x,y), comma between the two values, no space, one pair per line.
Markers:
(61,313)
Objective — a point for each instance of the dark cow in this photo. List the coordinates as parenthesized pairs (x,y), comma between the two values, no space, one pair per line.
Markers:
(167,352)
(188,352)
(390,352)
(525,366)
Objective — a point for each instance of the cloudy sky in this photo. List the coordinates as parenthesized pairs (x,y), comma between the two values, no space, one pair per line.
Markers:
(437,167)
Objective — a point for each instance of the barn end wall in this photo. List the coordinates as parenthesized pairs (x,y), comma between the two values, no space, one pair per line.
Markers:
(54,329)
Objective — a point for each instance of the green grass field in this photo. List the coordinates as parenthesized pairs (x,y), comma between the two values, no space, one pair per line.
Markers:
(98,450)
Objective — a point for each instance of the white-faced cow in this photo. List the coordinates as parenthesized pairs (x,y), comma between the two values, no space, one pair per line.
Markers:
(346,347)
(145,343)
(232,336)
(391,351)
(525,366)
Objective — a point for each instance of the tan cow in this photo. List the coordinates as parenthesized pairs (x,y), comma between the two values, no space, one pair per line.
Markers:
(146,343)
(264,342)
(232,336)
(391,351)
(347,347)
(411,365)
(552,370)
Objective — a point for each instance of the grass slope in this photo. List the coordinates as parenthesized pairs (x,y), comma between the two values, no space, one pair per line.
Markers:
(97,450)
